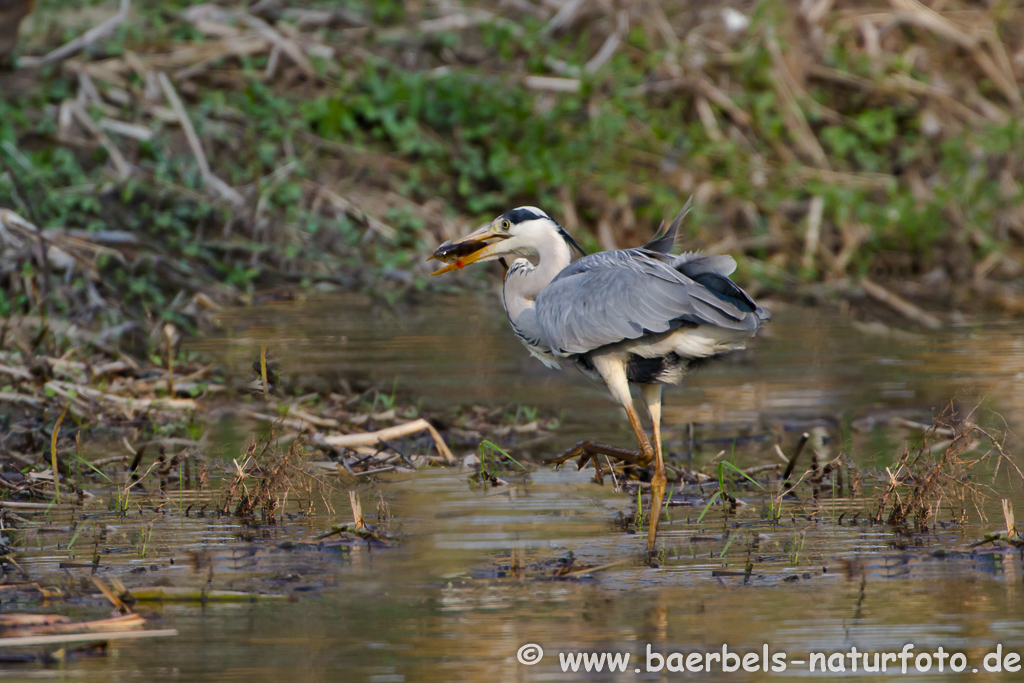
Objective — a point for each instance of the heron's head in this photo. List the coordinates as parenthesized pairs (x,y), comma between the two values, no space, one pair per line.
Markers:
(525,231)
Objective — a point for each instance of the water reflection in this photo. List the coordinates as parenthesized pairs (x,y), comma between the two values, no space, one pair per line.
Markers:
(446,606)
(425,613)
(805,366)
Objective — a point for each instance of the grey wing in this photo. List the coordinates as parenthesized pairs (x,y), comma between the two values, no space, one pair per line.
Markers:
(614,296)
(528,331)
(713,272)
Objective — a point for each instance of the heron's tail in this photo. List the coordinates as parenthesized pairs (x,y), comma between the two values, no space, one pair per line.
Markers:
(763,315)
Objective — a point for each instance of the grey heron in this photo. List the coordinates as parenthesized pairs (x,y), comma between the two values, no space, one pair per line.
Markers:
(632,316)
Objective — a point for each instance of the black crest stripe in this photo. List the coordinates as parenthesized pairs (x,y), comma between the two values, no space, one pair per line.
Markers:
(522,215)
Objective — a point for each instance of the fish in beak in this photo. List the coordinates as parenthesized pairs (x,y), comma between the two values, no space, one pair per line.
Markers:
(473,247)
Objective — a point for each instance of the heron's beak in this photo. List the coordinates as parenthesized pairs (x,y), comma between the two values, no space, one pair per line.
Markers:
(476,246)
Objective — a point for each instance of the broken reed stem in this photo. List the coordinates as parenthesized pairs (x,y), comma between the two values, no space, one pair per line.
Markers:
(53,454)
(263,372)
(813,235)
(357,510)
(1008,517)
(121,165)
(109,595)
(83,41)
(170,366)
(9,559)
(787,88)
(226,192)
(899,304)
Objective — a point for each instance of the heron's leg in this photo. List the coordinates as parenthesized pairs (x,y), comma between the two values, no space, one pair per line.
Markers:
(641,436)
(652,397)
(613,371)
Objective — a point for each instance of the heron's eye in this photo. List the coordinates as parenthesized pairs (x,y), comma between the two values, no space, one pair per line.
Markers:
(505,225)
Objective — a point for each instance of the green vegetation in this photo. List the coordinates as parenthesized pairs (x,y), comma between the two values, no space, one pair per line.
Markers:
(346,145)
(494,460)
(722,492)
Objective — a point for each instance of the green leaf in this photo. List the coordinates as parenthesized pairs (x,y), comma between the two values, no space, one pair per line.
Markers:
(707,506)
(495,447)
(737,470)
(90,466)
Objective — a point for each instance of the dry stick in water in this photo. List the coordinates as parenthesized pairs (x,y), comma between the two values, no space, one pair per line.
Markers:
(792,461)
(109,595)
(84,637)
(396,432)
(594,570)
(9,559)
(187,594)
(17,505)
(51,624)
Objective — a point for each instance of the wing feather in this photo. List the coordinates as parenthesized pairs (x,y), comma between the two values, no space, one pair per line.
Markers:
(613,296)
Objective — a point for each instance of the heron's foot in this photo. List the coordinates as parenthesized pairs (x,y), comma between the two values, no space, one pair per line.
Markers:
(657,497)
(588,451)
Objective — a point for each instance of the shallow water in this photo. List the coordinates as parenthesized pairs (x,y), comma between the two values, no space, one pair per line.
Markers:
(438,608)
(447,603)
(807,365)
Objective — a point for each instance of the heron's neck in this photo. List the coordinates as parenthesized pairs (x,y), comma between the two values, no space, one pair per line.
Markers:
(524,281)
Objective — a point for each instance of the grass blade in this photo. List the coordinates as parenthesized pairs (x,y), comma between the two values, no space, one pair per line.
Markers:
(74,538)
(737,470)
(93,467)
(495,447)
(707,506)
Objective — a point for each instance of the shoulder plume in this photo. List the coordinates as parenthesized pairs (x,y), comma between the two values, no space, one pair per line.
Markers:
(665,238)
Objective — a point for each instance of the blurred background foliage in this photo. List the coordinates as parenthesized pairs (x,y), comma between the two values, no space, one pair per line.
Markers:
(824,141)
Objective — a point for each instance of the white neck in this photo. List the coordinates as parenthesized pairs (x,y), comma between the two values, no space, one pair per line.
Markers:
(524,281)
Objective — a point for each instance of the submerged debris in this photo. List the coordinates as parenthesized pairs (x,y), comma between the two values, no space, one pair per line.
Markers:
(43,630)
(1010,535)
(204,595)
(266,476)
(938,470)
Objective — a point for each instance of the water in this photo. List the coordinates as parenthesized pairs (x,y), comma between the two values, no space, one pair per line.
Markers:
(447,603)
(808,364)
